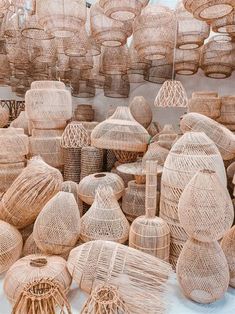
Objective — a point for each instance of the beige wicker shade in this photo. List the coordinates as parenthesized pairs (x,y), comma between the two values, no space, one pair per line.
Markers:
(114,60)
(171,94)
(26,232)
(225,24)
(222,137)
(72,187)
(159,71)
(186,61)
(47,53)
(191,31)
(92,160)
(77,45)
(228,245)
(227,114)
(30,247)
(84,112)
(154,32)
(116,86)
(206,104)
(141,111)
(88,185)
(60,17)
(11,244)
(116,132)
(128,269)
(202,271)
(209,10)
(33,30)
(4,117)
(104,220)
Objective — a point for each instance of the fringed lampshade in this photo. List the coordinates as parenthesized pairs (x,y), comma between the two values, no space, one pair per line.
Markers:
(123,10)
(209,10)
(154,32)
(225,24)
(115,86)
(191,32)
(171,94)
(216,57)
(114,60)
(187,61)
(61,18)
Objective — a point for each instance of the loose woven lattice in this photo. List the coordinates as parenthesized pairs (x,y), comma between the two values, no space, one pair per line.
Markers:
(222,137)
(88,185)
(72,187)
(202,271)
(35,267)
(114,60)
(8,173)
(26,232)
(27,195)
(105,219)
(171,94)
(120,132)
(205,207)
(57,227)
(110,159)
(47,85)
(186,61)
(11,244)
(225,24)
(105,299)
(228,246)
(141,111)
(141,278)
(92,160)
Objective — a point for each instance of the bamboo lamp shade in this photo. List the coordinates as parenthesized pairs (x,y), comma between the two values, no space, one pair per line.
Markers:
(72,187)
(141,111)
(8,173)
(123,10)
(30,247)
(114,60)
(115,133)
(206,104)
(227,113)
(225,25)
(171,94)
(89,126)
(186,61)
(47,84)
(35,267)
(92,159)
(157,25)
(96,262)
(60,17)
(77,45)
(228,245)
(222,137)
(47,50)
(88,185)
(104,220)
(57,227)
(166,137)
(110,159)
(209,10)
(22,202)
(33,30)
(191,31)
(11,244)
(26,232)
(202,271)
(156,152)
(205,208)
(116,86)
(84,113)
(159,71)
(84,89)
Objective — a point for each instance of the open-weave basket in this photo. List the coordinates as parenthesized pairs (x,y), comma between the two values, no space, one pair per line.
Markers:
(141,111)
(187,61)
(11,244)
(159,71)
(84,113)
(115,86)
(47,84)
(222,137)
(104,220)
(227,114)
(110,159)
(225,24)
(88,185)
(8,173)
(140,278)
(72,187)
(114,60)
(202,271)
(30,247)
(31,190)
(228,246)
(92,159)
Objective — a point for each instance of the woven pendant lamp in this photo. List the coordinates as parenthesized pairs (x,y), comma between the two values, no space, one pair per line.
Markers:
(225,25)
(114,60)
(73,139)
(228,246)
(33,30)
(116,86)
(150,234)
(159,71)
(141,111)
(227,113)
(187,61)
(209,10)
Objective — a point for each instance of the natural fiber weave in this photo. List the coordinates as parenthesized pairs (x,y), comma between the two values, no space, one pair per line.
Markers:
(114,60)
(88,185)
(222,137)
(227,114)
(156,152)
(47,85)
(32,189)
(225,24)
(35,267)
(228,246)
(11,244)
(84,113)
(202,271)
(141,111)
(187,61)
(26,232)
(140,278)
(30,247)
(116,132)
(21,122)
(8,173)
(57,230)
(104,220)
(116,86)
(206,104)
(89,126)
(72,187)
(166,137)
(105,299)
(110,159)
(153,129)
(205,208)
(4,117)
(91,161)
(126,177)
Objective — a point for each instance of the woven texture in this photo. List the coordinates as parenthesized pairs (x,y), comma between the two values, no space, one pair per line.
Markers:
(206,104)
(225,24)
(35,267)
(72,187)
(227,114)
(84,113)
(141,111)
(88,185)
(22,202)
(91,161)
(114,60)
(228,245)
(186,61)
(21,122)
(116,86)
(105,219)
(4,117)
(110,159)
(56,231)
(97,262)
(30,247)
(11,244)
(222,137)
(8,173)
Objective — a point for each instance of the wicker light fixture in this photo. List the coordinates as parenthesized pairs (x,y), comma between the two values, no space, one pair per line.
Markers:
(114,60)
(225,25)
(116,86)
(187,61)
(159,71)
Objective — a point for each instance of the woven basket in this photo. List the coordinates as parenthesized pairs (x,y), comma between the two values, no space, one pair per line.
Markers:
(8,173)
(91,161)
(105,219)
(126,177)
(26,231)
(47,85)
(88,185)
(202,271)
(141,111)
(227,114)
(114,60)
(72,187)
(228,245)
(156,152)
(11,244)
(4,117)
(97,262)
(21,122)
(86,89)
(110,160)
(84,113)
(222,137)
(205,104)
(159,71)
(56,231)
(22,202)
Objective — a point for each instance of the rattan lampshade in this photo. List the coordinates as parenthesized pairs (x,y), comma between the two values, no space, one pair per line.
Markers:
(227,114)
(77,45)
(114,60)
(154,32)
(84,112)
(92,160)
(60,17)
(141,111)
(225,25)
(159,71)
(228,245)
(186,61)
(116,86)
(33,30)
(209,10)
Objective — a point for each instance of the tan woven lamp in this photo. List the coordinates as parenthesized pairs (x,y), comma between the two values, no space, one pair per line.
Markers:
(225,25)
(92,160)
(227,113)
(116,86)
(84,112)
(228,244)
(159,71)
(77,45)
(141,111)
(187,61)
(33,30)
(114,60)
(72,187)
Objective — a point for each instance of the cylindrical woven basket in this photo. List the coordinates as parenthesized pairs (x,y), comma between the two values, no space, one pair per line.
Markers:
(110,160)
(186,61)
(227,114)
(4,117)
(114,60)
(91,161)
(207,105)
(30,247)
(115,86)
(84,113)
(225,25)
(228,246)
(159,71)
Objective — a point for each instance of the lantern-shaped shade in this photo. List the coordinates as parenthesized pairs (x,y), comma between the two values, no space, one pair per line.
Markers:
(186,61)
